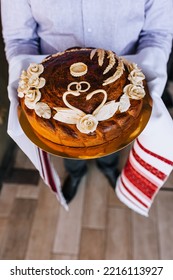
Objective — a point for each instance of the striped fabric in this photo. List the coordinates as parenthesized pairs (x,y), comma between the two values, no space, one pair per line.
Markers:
(150,161)
(143,175)
(50,176)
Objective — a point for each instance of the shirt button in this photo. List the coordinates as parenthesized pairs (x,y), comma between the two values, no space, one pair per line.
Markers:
(89,29)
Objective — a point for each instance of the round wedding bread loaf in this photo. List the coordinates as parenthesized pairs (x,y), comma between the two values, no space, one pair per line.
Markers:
(82,97)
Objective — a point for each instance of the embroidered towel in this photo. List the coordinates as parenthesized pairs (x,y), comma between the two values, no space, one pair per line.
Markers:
(150,161)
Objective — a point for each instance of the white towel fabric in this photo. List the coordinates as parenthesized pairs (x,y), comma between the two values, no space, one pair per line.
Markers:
(39,158)
(150,161)
(151,158)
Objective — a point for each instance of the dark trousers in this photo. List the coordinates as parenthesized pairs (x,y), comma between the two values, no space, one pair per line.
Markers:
(75,167)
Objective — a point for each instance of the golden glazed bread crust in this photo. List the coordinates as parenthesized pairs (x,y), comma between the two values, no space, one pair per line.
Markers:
(58,77)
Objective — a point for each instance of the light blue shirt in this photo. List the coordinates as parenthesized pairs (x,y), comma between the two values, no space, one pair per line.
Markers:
(48,26)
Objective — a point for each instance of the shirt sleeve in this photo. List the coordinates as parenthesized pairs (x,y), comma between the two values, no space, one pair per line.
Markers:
(158,26)
(19,28)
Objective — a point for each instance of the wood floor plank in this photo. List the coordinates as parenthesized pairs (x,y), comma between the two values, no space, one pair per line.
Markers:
(165,224)
(92,244)
(145,236)
(3,231)
(63,257)
(18,230)
(28,191)
(118,236)
(169,183)
(96,197)
(113,200)
(44,225)
(7,197)
(22,176)
(98,226)
(69,224)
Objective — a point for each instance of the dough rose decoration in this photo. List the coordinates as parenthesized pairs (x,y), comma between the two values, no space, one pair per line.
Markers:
(32,97)
(87,124)
(35,69)
(134,90)
(29,85)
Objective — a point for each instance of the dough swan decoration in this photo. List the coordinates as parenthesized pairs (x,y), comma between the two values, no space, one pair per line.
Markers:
(85,123)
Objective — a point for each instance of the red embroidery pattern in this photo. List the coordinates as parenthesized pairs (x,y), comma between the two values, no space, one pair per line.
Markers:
(153,154)
(139,181)
(140,201)
(51,180)
(159,174)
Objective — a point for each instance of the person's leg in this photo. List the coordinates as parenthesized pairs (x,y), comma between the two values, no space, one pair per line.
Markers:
(109,166)
(76,170)
(75,167)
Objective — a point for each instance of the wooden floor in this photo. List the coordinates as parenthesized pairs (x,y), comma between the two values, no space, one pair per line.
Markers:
(98,226)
